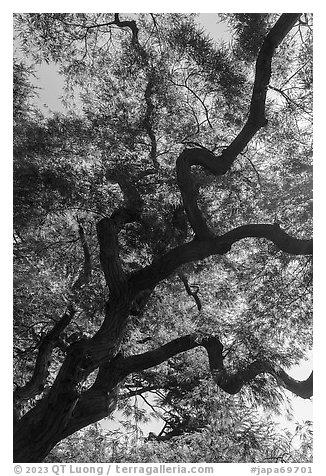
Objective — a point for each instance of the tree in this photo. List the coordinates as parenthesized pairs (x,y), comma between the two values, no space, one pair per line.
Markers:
(158,95)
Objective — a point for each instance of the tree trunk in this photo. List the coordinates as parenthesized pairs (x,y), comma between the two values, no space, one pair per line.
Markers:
(42,428)
(68,407)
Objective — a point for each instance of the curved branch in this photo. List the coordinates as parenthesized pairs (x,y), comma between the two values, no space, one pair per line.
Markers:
(108,229)
(101,398)
(43,360)
(133,203)
(207,160)
(150,73)
(196,96)
(233,383)
(144,57)
(198,249)
(134,30)
(256,119)
(303,389)
(194,294)
(230,383)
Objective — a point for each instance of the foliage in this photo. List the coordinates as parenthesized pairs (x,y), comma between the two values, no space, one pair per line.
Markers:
(231,432)
(133,103)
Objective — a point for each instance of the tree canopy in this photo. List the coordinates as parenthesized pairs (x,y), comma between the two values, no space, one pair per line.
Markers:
(162,234)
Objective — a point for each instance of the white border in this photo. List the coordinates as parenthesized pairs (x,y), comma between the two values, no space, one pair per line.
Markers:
(319,181)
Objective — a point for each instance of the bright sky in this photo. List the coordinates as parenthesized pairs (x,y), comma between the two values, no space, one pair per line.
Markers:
(319,179)
(51,88)
(302,409)
(214,27)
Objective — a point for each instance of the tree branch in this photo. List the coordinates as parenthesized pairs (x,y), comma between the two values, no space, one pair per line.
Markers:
(196,96)
(97,402)
(133,203)
(101,399)
(107,234)
(230,383)
(134,30)
(208,161)
(43,359)
(108,229)
(194,294)
(233,383)
(198,249)
(150,83)
(256,119)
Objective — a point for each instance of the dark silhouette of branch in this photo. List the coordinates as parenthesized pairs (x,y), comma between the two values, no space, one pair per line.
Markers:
(229,382)
(143,55)
(133,203)
(294,74)
(253,166)
(198,249)
(43,359)
(66,407)
(191,293)
(139,391)
(185,161)
(289,100)
(108,229)
(134,40)
(256,119)
(102,397)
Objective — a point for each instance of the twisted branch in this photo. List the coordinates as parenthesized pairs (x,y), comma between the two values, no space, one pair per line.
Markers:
(256,119)
(230,383)
(100,399)
(108,229)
